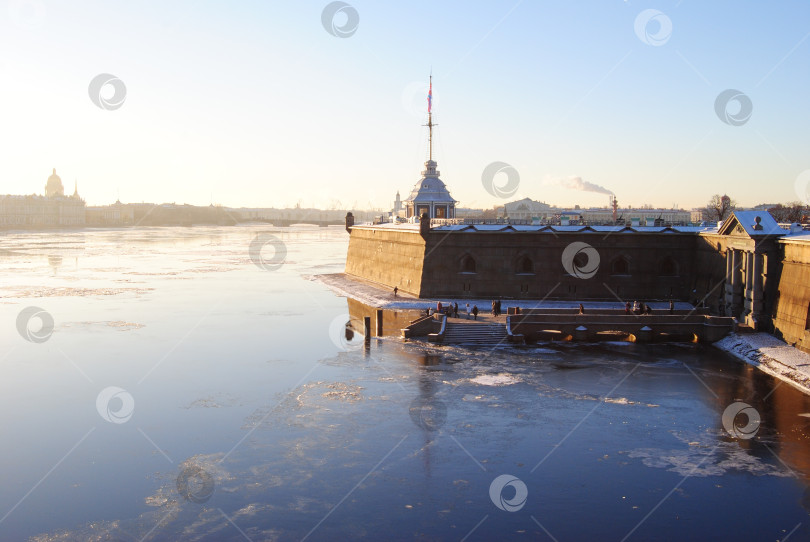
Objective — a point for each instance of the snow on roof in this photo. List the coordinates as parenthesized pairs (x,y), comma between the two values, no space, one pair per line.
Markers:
(607,228)
(567,228)
(748,220)
(526,227)
(389,225)
(490,227)
(453,227)
(801,237)
(695,229)
(538,228)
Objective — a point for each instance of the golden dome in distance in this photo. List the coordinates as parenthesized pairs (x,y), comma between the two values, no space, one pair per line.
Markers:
(54,186)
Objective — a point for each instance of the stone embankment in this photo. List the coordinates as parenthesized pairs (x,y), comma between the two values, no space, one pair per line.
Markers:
(771,355)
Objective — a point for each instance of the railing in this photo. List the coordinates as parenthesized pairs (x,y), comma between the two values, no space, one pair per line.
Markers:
(512,337)
(439,337)
(472,221)
(582,326)
(542,222)
(420,327)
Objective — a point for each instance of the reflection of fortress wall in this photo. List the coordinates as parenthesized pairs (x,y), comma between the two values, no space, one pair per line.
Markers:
(792,314)
(388,257)
(393,321)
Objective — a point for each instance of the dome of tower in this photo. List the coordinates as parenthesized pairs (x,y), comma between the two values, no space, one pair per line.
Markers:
(54,186)
(430,187)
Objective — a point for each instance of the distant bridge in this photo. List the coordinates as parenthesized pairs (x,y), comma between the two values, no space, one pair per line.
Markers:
(286,222)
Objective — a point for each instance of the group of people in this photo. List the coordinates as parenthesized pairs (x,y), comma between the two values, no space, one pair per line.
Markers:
(451,310)
(643,308)
(496,307)
(637,308)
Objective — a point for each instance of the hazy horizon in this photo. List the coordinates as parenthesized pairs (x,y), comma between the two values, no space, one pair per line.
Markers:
(260,105)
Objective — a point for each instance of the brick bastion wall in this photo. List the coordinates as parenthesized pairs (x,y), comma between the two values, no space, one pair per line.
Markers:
(791,314)
(656,264)
(525,265)
(387,257)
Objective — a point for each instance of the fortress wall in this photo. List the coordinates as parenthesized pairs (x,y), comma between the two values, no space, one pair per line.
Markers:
(390,258)
(395,258)
(793,300)
(497,257)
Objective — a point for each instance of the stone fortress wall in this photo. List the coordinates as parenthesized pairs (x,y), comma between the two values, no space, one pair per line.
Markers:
(530,266)
(791,307)
(763,280)
(388,258)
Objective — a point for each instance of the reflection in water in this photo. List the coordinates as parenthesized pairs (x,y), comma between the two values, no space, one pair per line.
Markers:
(55,262)
(393,320)
(428,360)
(806,500)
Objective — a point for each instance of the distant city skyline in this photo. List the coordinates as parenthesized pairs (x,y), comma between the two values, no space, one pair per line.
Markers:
(260,105)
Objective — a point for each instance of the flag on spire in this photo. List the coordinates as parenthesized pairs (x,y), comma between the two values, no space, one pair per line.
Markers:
(430,95)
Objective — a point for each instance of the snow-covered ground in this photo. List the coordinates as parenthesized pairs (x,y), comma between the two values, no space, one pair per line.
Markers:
(375,296)
(771,355)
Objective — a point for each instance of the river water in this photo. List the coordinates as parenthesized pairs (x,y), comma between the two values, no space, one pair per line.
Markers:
(189,390)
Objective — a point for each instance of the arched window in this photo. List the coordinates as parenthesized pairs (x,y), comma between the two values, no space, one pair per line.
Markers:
(667,267)
(620,266)
(467,264)
(525,265)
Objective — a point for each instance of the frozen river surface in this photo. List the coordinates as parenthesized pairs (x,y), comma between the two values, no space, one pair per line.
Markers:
(183,392)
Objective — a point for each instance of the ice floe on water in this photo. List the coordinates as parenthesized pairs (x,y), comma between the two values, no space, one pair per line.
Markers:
(701,458)
(501,379)
(120,325)
(44,291)
(626,401)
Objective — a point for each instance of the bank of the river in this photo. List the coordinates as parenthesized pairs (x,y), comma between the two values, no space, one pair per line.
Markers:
(374,295)
(771,355)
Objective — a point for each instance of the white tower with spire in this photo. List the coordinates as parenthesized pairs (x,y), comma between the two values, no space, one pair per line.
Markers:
(430,195)
(397,205)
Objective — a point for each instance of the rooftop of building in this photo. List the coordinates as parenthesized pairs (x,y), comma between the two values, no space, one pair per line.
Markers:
(529,228)
(802,237)
(430,188)
(752,223)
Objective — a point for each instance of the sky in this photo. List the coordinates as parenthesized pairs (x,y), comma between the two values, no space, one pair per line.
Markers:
(275,103)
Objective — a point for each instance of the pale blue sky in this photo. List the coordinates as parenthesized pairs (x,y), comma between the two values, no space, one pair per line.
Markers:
(256,104)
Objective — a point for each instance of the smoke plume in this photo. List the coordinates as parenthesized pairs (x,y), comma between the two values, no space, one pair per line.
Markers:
(576,183)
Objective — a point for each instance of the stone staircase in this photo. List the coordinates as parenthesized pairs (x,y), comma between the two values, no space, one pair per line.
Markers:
(475,334)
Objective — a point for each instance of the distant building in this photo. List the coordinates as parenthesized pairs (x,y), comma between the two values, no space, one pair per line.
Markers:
(51,210)
(639,217)
(467,212)
(117,214)
(54,188)
(698,215)
(528,209)
(397,206)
